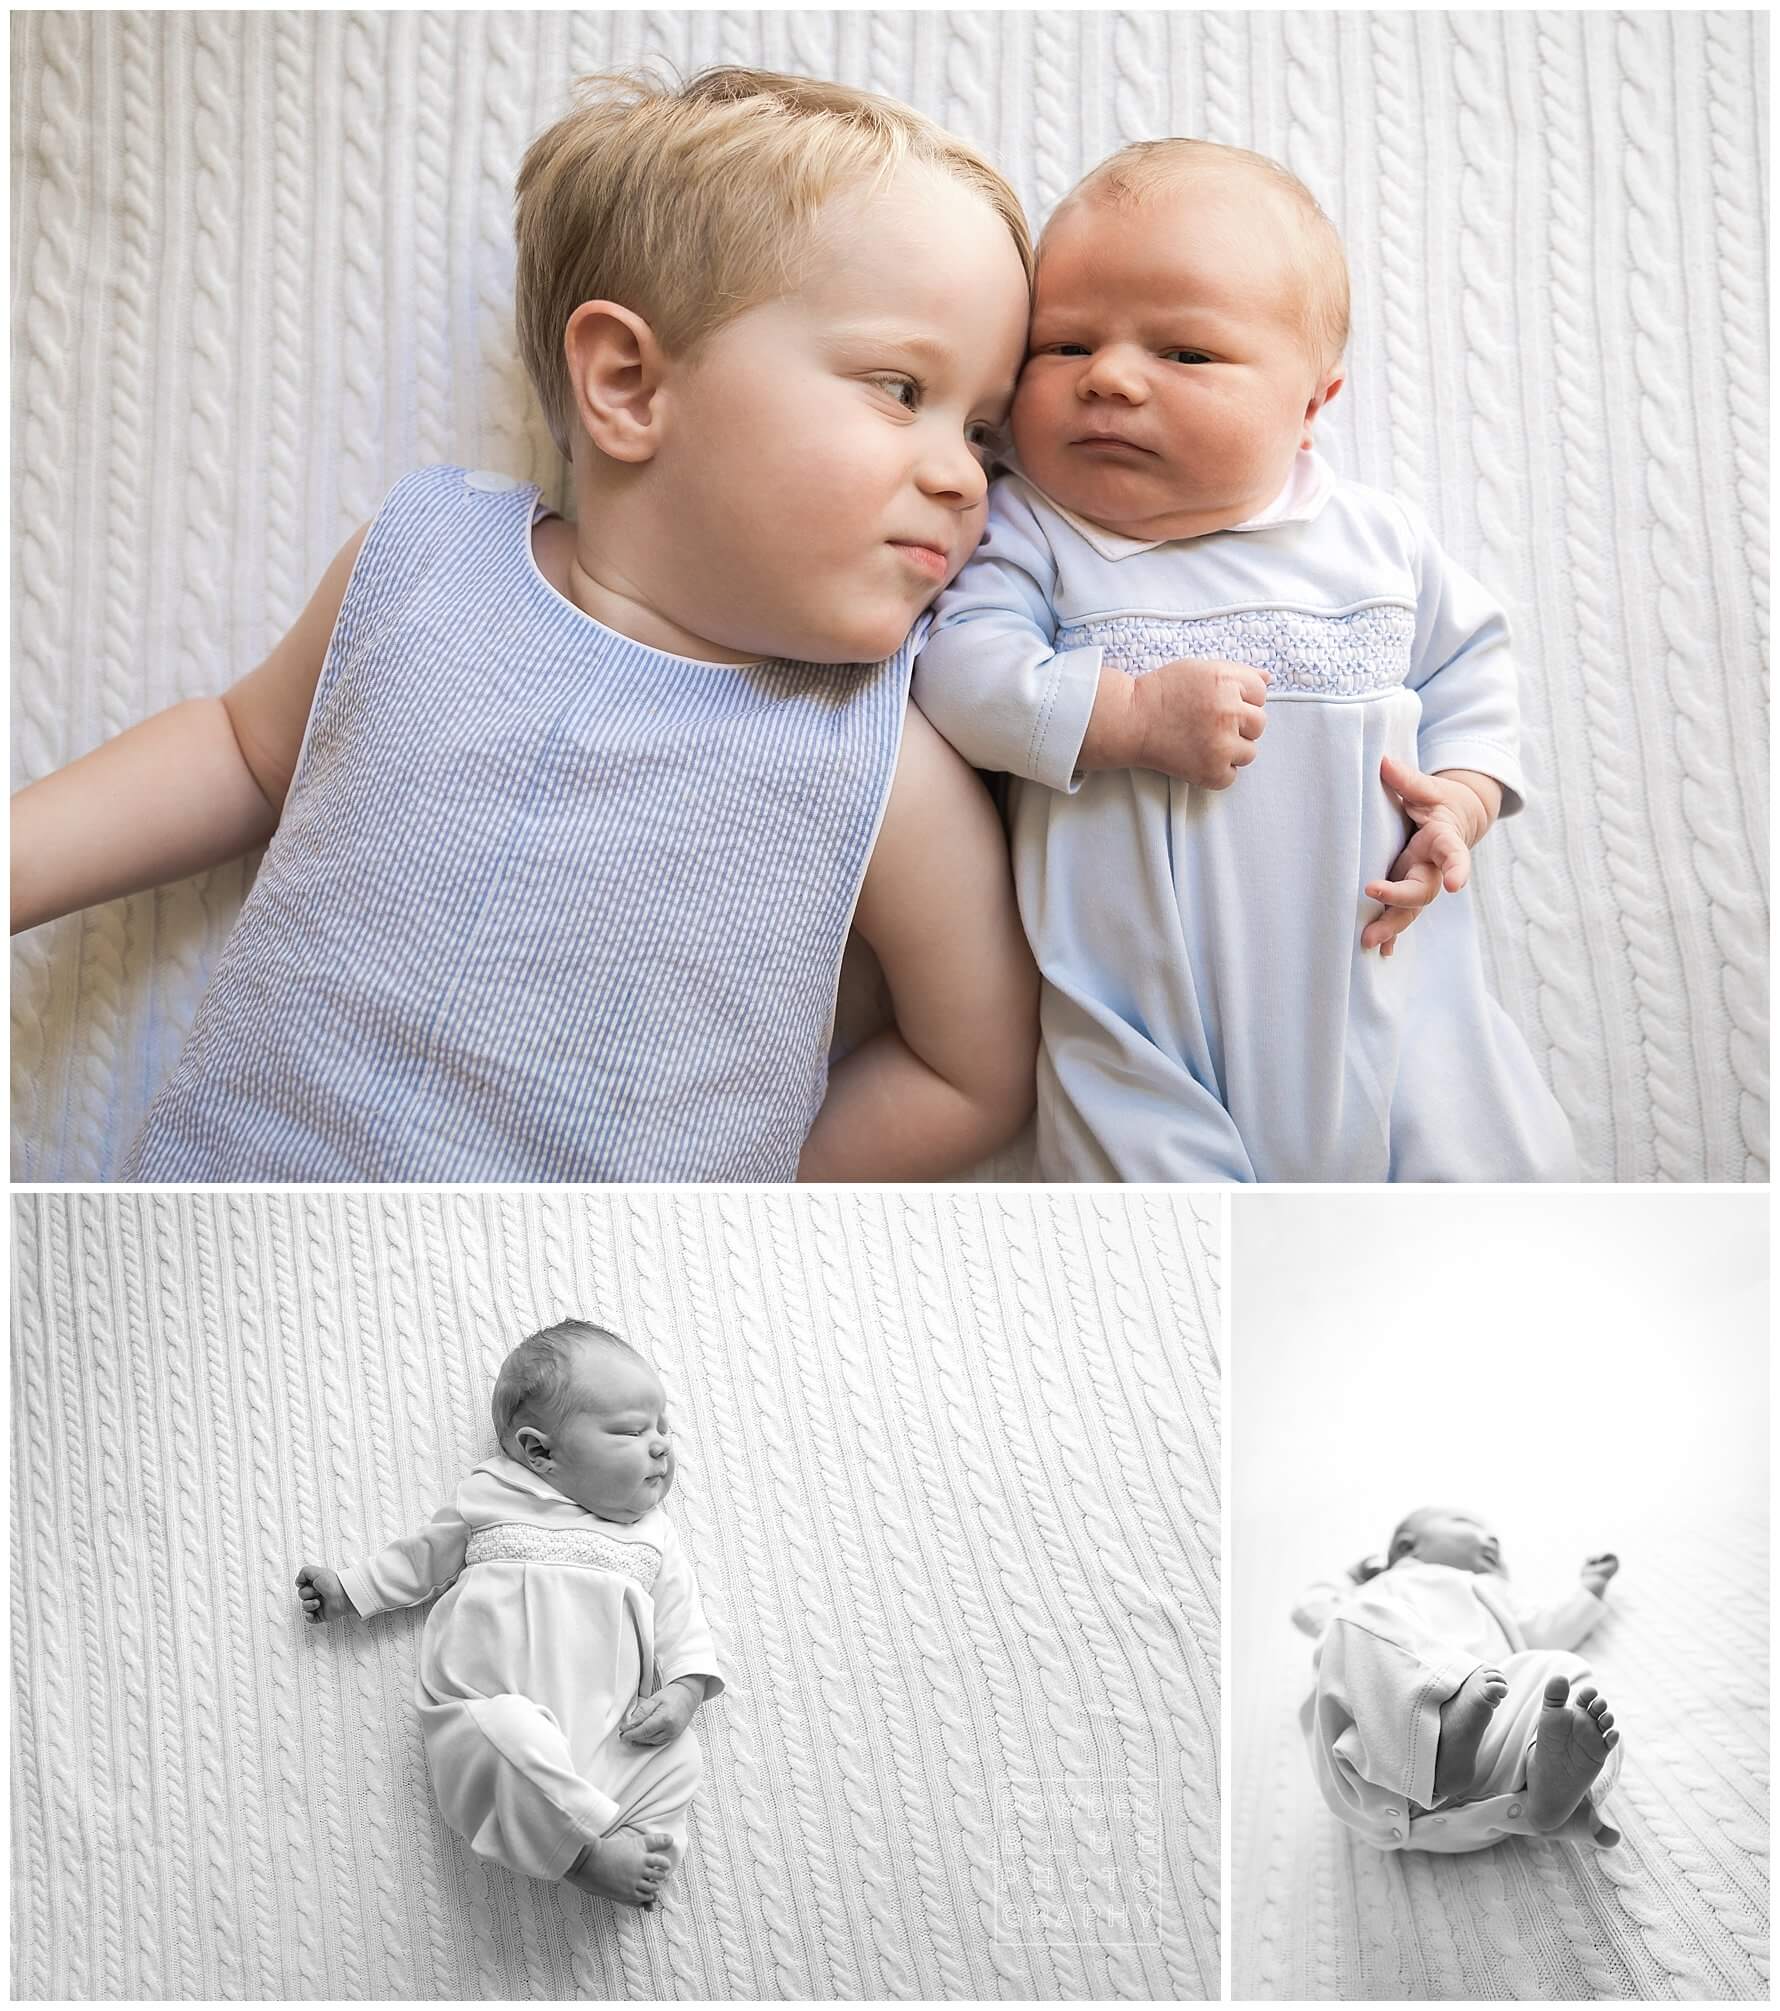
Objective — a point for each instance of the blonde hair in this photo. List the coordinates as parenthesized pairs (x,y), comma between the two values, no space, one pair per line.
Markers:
(690,204)
(1147,167)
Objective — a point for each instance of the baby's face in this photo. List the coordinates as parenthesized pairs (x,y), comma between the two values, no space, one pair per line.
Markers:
(612,1453)
(1448,1536)
(829,448)
(1169,379)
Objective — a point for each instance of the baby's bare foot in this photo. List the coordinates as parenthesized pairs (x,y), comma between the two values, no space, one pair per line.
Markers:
(628,1866)
(1464,1718)
(1570,1747)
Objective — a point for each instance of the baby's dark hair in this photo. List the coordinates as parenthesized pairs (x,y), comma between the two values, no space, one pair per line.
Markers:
(1370,1567)
(539,1375)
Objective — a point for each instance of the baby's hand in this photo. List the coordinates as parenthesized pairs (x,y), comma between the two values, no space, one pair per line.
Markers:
(657,1720)
(322,1594)
(1597,1570)
(1450,817)
(1197,720)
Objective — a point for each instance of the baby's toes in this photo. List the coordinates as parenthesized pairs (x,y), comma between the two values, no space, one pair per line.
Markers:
(1587,1695)
(1610,1739)
(1495,1685)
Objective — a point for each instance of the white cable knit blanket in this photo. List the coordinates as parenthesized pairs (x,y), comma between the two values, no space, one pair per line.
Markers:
(949,1481)
(1679,1910)
(263,266)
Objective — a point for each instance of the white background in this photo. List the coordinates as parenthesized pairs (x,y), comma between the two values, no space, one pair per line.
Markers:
(1568,1366)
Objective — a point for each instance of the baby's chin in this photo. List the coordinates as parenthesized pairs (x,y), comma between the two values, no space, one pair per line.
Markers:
(1117,496)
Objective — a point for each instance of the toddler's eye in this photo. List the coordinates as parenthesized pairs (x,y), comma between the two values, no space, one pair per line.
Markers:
(1186,356)
(904,390)
(1066,349)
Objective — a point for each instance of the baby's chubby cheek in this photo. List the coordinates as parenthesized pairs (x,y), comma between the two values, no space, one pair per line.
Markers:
(1029,423)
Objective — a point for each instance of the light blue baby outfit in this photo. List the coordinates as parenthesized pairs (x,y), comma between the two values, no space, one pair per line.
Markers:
(1207,1011)
(544,903)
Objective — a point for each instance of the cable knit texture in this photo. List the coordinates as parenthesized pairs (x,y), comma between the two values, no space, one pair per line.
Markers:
(1679,1910)
(263,266)
(949,1480)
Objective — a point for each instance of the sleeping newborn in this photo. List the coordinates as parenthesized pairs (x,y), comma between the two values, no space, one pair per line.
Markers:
(1445,1717)
(560,1671)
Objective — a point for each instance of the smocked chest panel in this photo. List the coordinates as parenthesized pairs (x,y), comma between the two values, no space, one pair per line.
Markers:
(1357,652)
(526,1543)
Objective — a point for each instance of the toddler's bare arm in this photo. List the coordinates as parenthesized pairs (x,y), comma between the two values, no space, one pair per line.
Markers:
(954,1077)
(186,789)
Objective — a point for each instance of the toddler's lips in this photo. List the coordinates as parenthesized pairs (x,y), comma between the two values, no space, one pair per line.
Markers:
(929,559)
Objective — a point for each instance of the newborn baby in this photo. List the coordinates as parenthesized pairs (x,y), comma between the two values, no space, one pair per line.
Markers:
(1444,1717)
(561,1669)
(1172,570)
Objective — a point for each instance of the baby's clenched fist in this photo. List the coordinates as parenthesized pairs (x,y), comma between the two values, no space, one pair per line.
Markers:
(322,1594)
(1596,1571)
(1196,719)
(654,1721)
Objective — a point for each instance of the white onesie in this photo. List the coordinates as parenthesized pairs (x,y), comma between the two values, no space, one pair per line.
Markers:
(554,1623)
(1390,1653)
(1208,1013)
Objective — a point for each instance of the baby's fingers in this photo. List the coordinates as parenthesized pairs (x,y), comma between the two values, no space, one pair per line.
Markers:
(1450,854)
(1418,886)
(1416,790)
(1402,900)
(1382,931)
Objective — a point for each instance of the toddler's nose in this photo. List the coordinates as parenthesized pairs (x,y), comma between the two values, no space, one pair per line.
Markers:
(955,474)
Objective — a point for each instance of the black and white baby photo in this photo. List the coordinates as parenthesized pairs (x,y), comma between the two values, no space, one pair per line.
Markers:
(630,1596)
(1499,1631)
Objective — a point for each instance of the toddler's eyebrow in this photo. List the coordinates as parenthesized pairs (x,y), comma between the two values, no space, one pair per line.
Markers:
(893,336)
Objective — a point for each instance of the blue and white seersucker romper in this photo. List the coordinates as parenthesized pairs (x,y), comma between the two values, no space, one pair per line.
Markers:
(544,903)
(1207,1011)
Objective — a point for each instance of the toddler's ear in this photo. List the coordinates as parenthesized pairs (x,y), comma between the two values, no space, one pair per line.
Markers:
(615,369)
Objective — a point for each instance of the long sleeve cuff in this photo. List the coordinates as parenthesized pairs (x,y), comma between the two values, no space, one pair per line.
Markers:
(357,1588)
(1009,704)
(1062,723)
(1442,1680)
(1483,757)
